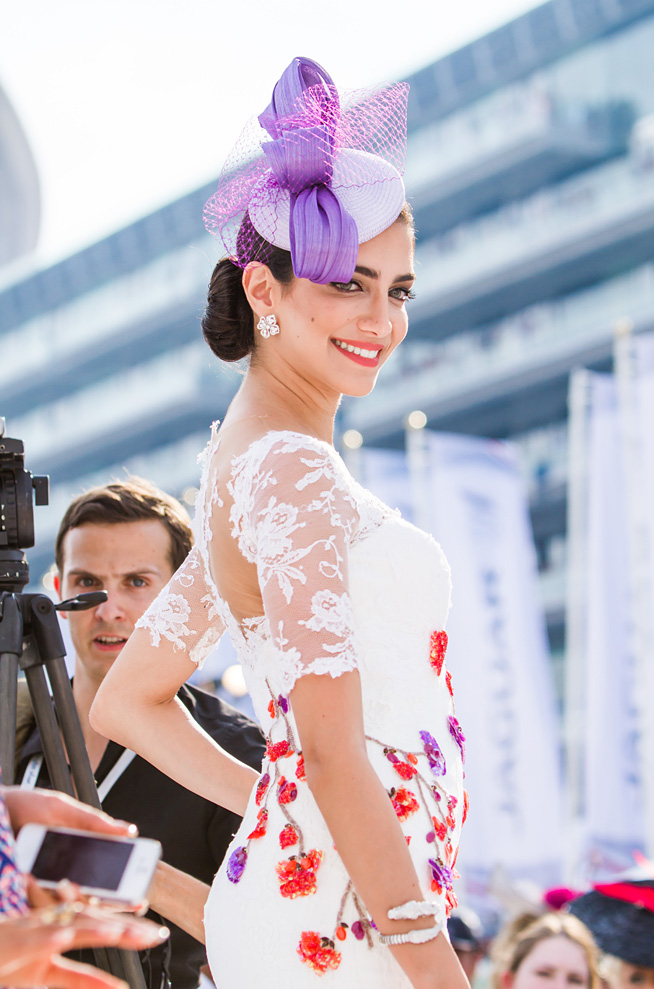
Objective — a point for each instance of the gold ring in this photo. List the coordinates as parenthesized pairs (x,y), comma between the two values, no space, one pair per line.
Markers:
(63,914)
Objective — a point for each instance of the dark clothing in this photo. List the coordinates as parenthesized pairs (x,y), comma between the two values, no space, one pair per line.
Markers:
(194,833)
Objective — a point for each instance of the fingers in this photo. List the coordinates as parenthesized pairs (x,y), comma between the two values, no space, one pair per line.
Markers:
(30,945)
(25,945)
(99,928)
(66,974)
(59,810)
(37,896)
(65,892)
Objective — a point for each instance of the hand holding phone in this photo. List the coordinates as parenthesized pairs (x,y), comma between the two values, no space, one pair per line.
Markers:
(31,946)
(115,869)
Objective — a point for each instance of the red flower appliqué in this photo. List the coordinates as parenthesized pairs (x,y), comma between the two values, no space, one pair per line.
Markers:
(466,806)
(437,650)
(448,681)
(260,830)
(319,953)
(278,750)
(450,901)
(297,876)
(286,791)
(287,836)
(440,829)
(299,769)
(262,786)
(404,802)
(403,769)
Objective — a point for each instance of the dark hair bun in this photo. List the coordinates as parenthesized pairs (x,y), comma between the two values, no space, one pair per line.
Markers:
(228,324)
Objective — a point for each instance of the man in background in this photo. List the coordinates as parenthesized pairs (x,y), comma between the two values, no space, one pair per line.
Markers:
(466,936)
(128,538)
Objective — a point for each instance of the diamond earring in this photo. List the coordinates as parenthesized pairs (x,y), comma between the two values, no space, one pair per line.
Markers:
(267,326)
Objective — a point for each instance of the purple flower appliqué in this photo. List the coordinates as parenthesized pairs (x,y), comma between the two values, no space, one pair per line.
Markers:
(434,755)
(357,930)
(236,864)
(441,874)
(457,735)
(282,702)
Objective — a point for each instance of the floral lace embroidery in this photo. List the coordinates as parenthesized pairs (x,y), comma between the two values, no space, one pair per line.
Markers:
(185,613)
(294,516)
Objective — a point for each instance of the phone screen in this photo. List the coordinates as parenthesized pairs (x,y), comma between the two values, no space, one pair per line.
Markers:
(86,861)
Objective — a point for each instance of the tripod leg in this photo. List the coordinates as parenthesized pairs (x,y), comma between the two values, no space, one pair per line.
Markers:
(72,731)
(8,674)
(46,721)
(45,648)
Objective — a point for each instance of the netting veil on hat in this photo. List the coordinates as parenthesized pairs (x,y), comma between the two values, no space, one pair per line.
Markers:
(313,174)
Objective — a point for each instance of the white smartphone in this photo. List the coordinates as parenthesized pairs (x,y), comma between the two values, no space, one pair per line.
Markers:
(116,869)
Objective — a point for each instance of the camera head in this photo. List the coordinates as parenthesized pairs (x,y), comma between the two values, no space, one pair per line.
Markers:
(16,511)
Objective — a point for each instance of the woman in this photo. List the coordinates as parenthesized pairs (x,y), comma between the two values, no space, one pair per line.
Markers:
(554,951)
(335,604)
(620,916)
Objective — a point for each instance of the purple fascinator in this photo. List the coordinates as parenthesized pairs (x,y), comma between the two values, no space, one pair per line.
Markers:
(315,174)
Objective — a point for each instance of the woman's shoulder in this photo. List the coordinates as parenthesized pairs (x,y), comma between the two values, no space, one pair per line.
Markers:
(285,452)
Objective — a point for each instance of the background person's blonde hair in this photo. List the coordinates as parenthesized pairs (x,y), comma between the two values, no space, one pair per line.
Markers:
(521,935)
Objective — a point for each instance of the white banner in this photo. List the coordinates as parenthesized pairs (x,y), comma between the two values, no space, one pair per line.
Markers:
(468,492)
(612,800)
(635,379)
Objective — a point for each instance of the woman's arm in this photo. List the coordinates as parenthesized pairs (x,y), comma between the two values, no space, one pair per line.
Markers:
(362,821)
(179,898)
(137,706)
(137,703)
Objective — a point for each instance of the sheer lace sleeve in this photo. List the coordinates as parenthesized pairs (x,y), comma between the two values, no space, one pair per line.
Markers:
(185,613)
(294,516)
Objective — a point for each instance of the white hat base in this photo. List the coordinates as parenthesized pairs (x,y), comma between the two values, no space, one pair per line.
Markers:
(369,188)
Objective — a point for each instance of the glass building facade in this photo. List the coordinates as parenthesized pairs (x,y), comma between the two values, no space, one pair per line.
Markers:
(531,172)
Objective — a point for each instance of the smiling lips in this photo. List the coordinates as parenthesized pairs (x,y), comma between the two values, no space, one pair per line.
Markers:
(368,356)
(110,643)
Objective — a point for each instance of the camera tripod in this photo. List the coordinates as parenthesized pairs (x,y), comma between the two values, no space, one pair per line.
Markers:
(30,639)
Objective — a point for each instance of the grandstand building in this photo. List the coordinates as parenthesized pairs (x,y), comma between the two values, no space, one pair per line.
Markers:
(531,172)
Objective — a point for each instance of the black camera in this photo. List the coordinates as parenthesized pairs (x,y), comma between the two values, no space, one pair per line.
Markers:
(16,511)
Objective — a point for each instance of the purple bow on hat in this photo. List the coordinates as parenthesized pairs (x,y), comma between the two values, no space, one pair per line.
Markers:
(323,236)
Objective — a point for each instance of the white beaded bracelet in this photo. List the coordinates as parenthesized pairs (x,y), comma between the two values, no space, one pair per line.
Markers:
(414,909)
(412,937)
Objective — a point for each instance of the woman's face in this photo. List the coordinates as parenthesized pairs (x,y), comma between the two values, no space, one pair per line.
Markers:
(554,963)
(632,975)
(337,336)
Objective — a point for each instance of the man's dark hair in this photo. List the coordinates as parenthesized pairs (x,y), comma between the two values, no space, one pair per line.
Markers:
(132,500)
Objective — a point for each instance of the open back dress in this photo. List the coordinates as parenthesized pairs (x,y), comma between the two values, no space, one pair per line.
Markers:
(347,585)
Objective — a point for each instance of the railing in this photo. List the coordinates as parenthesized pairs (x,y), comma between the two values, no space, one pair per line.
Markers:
(172,467)
(177,379)
(526,229)
(146,293)
(506,119)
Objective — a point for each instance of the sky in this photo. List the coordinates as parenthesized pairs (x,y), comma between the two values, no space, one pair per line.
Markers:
(129,104)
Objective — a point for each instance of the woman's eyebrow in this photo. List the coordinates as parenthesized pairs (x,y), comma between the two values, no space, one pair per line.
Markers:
(371,273)
(368,272)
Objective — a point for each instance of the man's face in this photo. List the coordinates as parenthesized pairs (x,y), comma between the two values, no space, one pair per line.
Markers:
(128,560)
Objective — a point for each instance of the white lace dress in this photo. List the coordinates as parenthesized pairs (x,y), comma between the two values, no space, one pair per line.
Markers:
(347,584)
